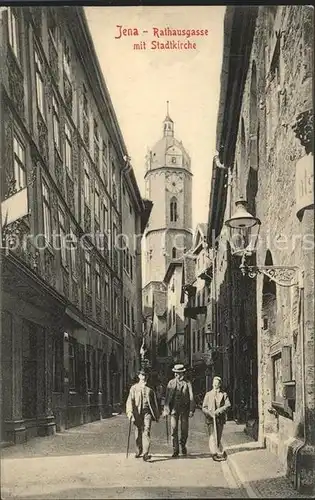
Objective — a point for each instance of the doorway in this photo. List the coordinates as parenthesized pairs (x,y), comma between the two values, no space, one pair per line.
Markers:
(113,379)
(29,370)
(104,381)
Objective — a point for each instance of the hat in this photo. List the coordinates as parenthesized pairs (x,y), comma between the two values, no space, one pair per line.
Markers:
(217,378)
(179,369)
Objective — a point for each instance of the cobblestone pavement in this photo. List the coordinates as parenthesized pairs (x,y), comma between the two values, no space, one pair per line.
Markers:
(258,469)
(89,462)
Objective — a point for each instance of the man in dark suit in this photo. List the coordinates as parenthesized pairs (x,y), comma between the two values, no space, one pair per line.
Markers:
(180,405)
(142,408)
(215,405)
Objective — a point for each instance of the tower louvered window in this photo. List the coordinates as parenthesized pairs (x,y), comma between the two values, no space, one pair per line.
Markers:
(173,210)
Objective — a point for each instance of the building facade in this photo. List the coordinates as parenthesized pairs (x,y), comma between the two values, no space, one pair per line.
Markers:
(197,319)
(135,214)
(265,156)
(175,312)
(62,161)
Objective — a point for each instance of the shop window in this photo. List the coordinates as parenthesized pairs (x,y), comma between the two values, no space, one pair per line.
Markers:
(90,367)
(286,364)
(277,378)
(72,364)
(57,373)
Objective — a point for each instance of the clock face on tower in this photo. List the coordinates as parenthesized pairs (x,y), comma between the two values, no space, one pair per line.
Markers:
(174,183)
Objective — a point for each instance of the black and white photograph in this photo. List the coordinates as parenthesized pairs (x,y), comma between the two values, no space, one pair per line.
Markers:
(157,251)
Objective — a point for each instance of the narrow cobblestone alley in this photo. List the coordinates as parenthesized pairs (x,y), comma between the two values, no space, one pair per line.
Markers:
(90,462)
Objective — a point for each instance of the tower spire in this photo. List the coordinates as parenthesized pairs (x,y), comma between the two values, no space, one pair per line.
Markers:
(168,124)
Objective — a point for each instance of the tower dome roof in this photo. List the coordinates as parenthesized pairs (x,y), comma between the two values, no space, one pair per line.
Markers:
(168,151)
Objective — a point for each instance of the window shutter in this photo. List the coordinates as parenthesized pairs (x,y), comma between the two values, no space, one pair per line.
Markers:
(286,364)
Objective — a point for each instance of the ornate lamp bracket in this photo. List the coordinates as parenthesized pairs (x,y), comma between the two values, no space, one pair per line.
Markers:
(286,276)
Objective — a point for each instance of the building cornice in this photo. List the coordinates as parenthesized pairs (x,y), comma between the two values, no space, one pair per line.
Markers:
(166,168)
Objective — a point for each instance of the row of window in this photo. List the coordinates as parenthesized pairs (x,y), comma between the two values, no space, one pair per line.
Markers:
(101,149)
(19,169)
(87,370)
(70,238)
(150,254)
(82,359)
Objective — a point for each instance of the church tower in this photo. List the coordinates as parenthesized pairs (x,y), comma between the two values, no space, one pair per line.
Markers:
(168,184)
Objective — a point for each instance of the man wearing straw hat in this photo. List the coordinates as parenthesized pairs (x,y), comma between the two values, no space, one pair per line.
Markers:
(215,405)
(180,405)
(141,409)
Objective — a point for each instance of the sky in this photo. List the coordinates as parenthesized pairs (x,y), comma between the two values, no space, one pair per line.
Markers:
(141,81)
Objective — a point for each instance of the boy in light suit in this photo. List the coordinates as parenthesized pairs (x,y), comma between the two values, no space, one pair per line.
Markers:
(215,405)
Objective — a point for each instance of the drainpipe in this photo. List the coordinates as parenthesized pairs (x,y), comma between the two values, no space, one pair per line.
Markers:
(3,11)
(230,289)
(305,454)
(297,479)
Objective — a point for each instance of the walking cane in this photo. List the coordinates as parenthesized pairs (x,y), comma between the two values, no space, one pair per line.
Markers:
(215,434)
(166,423)
(129,431)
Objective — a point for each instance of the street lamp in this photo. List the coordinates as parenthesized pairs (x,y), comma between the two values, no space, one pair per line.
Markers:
(244,231)
(213,348)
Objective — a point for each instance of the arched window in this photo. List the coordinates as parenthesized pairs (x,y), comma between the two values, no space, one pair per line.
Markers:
(173,210)
(173,253)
